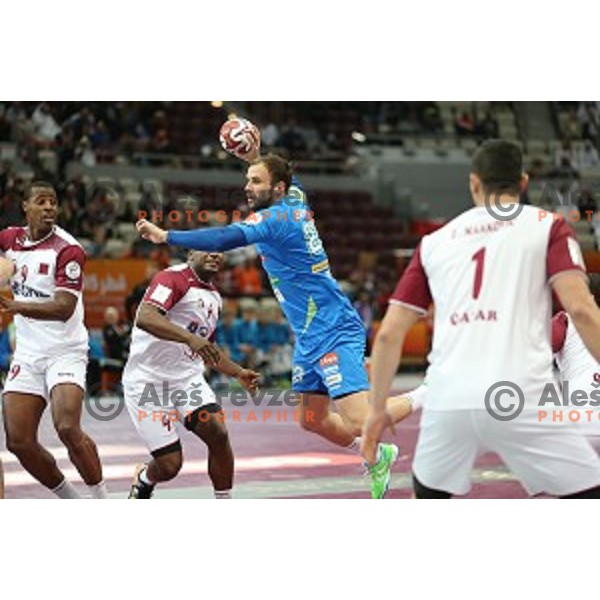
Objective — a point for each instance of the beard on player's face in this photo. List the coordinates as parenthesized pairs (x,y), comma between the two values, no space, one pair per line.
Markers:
(206,264)
(260,200)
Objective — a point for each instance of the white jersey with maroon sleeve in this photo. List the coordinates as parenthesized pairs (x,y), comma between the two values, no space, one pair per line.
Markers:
(42,268)
(187,302)
(579,371)
(489,280)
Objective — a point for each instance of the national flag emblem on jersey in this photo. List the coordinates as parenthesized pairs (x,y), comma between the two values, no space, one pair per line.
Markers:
(161,294)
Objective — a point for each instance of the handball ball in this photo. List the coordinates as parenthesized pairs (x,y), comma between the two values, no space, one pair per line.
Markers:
(239,136)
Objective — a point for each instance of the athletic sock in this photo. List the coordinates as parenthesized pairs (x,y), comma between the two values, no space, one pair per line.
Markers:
(354,446)
(143,477)
(99,491)
(66,491)
(223,494)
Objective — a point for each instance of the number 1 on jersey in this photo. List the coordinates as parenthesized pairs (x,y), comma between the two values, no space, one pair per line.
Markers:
(479,258)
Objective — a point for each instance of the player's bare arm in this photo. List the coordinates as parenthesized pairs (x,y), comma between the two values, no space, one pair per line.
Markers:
(385,358)
(247,378)
(60,308)
(151,319)
(574,294)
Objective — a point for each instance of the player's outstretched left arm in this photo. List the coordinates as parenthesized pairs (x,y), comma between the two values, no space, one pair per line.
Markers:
(385,358)
(214,239)
(60,308)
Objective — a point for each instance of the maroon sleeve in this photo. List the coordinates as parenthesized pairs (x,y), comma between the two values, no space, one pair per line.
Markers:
(413,287)
(564,253)
(7,238)
(69,269)
(560,323)
(166,290)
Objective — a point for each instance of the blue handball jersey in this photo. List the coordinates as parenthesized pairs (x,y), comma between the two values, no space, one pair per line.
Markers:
(319,313)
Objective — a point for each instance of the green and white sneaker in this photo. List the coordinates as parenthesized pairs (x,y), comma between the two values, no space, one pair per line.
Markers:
(381,471)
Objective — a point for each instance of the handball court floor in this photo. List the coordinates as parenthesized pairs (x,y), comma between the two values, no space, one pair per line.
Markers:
(274,459)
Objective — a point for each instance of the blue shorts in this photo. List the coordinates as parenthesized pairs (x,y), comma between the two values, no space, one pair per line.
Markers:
(338,373)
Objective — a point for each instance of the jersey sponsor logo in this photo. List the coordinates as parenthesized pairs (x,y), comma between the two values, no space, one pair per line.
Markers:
(73,270)
(14,371)
(473,316)
(334,380)
(24,273)
(161,293)
(25,291)
(329,360)
(66,374)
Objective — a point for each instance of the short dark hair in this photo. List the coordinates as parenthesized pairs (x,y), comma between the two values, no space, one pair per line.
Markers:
(279,169)
(595,286)
(499,165)
(36,185)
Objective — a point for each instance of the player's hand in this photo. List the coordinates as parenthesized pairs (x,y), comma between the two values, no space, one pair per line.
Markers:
(7,306)
(254,154)
(209,353)
(249,380)
(373,429)
(151,232)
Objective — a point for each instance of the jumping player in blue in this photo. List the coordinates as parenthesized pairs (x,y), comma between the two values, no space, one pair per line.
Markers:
(330,337)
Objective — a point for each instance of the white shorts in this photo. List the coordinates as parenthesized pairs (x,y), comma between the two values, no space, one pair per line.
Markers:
(158,409)
(551,458)
(38,375)
(418,397)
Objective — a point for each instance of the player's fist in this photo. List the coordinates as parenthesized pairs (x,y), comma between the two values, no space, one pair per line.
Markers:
(249,380)
(209,353)
(151,232)
(7,270)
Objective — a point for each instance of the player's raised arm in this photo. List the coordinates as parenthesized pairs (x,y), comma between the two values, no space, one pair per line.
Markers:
(215,239)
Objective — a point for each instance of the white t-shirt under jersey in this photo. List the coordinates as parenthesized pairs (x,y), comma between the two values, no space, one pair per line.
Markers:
(44,267)
(186,301)
(490,282)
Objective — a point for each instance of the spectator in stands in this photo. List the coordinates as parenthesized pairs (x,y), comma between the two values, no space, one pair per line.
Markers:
(488,127)
(586,201)
(116,336)
(589,118)
(572,126)
(45,127)
(270,135)
(84,153)
(248,278)
(247,332)
(273,345)
(228,334)
(588,156)
(135,297)
(430,117)
(565,155)
(464,124)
